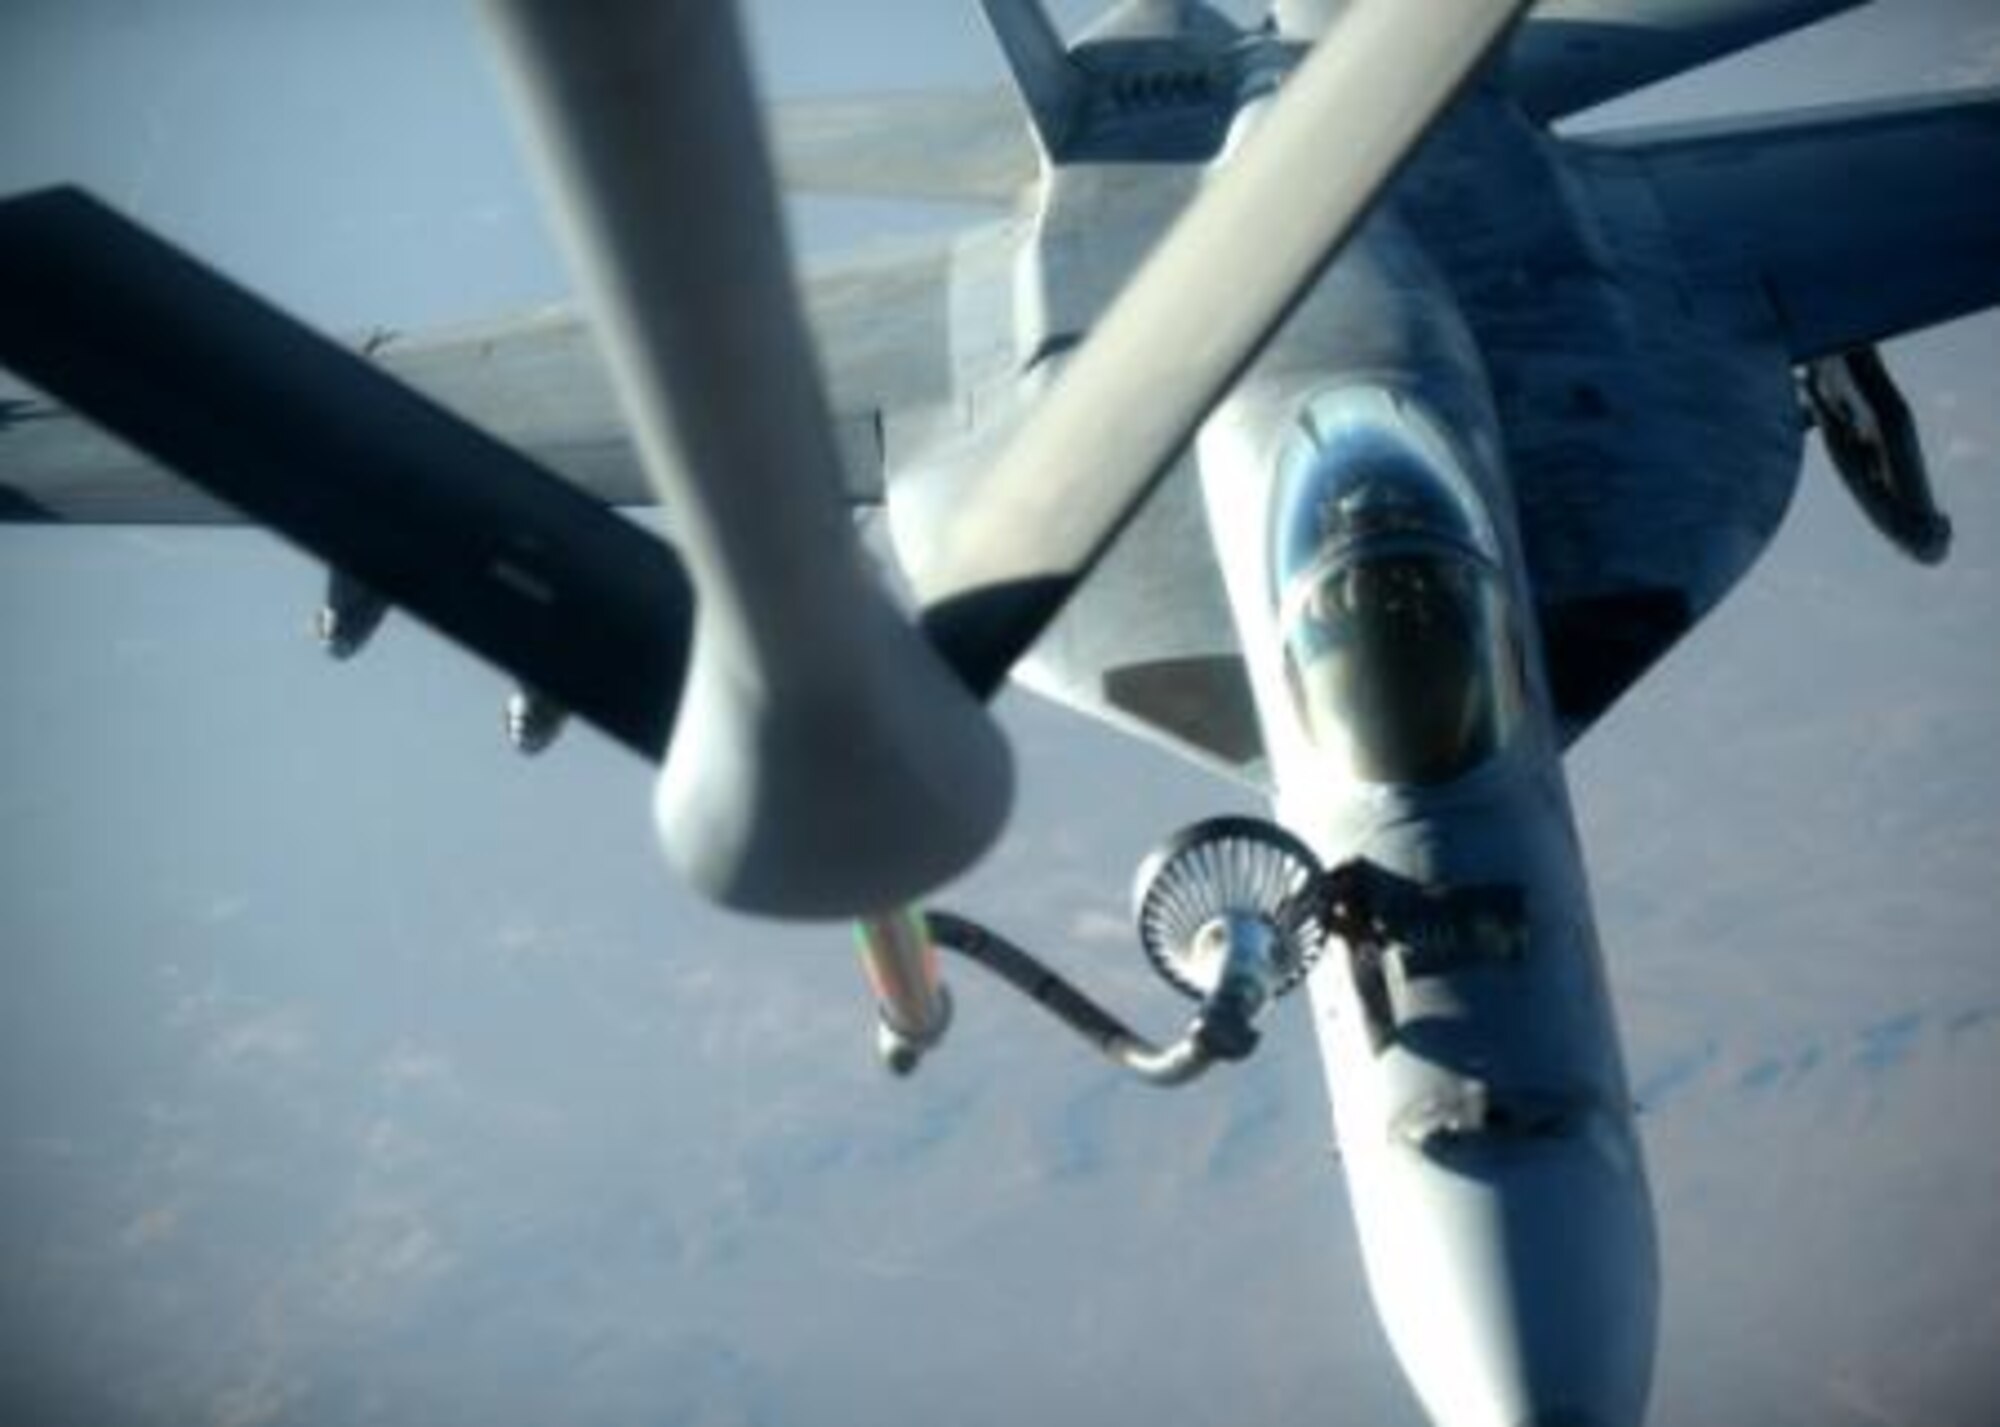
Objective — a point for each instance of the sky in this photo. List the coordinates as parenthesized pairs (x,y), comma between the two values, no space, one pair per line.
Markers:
(354,1070)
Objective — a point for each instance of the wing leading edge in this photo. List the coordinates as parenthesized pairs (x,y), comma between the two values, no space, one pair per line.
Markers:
(946,146)
(1843,226)
(1572,54)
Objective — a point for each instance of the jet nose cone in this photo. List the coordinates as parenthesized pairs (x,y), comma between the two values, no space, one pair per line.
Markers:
(1519,1282)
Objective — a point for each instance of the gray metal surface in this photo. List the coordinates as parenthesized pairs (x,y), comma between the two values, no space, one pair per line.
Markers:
(1167,349)
(1603,376)
(824,763)
(535,381)
(1653,440)
(1619,289)
(951,146)
(1606,330)
(1477,1081)
(1747,204)
(1611,363)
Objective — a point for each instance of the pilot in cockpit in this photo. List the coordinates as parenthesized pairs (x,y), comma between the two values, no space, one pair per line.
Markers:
(1398,649)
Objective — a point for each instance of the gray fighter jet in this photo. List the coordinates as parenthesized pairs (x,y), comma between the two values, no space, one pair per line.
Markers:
(1311,407)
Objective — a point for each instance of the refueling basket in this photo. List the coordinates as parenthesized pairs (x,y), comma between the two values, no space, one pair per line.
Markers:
(1189,889)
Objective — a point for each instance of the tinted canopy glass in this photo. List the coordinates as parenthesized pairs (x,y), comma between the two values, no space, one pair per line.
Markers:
(1399,651)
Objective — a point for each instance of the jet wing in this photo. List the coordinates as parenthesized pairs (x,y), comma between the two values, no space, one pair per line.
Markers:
(1572,54)
(1844,225)
(951,146)
(1655,456)
(536,382)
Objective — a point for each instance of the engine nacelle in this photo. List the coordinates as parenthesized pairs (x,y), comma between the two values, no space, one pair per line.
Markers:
(349,618)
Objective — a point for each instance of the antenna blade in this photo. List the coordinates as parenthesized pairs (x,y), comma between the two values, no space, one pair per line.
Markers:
(1191,321)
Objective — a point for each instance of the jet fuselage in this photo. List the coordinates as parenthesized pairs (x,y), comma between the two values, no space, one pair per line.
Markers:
(1356,488)
(1484,334)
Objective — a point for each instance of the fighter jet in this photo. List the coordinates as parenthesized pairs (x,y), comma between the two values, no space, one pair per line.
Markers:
(1313,406)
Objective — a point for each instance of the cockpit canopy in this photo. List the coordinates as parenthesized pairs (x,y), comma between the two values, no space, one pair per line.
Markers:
(1399,650)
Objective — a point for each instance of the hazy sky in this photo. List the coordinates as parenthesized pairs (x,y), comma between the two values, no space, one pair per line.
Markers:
(353,1070)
